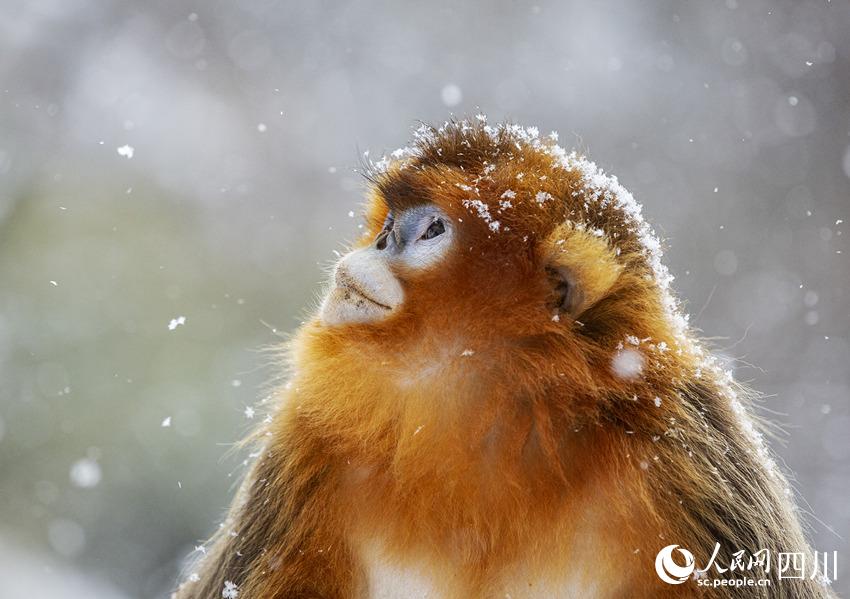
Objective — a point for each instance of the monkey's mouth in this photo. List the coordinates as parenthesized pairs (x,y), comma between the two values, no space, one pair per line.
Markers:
(352,291)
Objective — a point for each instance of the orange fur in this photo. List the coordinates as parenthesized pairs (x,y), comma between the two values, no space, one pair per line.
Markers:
(476,439)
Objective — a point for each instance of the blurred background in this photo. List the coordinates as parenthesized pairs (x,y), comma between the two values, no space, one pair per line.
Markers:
(175,175)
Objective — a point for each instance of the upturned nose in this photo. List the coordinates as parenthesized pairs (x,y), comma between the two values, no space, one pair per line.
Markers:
(382,240)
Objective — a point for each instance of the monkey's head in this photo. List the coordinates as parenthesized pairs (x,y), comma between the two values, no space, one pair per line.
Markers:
(492,246)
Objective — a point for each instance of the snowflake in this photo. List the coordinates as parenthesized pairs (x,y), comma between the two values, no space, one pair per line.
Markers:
(85,473)
(542,197)
(249,412)
(126,151)
(230,590)
(176,322)
(627,364)
(483,212)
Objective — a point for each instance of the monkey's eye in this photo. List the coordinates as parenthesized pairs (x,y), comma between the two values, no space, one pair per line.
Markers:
(438,227)
(423,235)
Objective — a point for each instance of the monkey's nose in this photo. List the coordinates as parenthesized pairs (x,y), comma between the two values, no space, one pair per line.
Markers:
(381,240)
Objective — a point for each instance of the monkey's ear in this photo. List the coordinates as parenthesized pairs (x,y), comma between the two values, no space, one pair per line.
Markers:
(580,268)
(567,296)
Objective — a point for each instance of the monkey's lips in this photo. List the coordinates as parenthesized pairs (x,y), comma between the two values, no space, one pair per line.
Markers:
(349,301)
(353,290)
(354,293)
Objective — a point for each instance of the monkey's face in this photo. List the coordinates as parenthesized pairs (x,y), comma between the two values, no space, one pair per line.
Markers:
(480,256)
(433,259)
(365,284)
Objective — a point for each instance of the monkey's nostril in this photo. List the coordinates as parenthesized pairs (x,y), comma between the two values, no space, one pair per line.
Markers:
(381,241)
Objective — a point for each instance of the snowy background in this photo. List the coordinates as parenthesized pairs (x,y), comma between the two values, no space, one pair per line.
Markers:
(185,158)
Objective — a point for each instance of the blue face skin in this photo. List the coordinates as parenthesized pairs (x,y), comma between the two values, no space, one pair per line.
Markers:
(366,285)
(417,235)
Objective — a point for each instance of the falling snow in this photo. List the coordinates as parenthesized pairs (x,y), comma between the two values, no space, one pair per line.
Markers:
(176,322)
(627,364)
(85,473)
(451,95)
